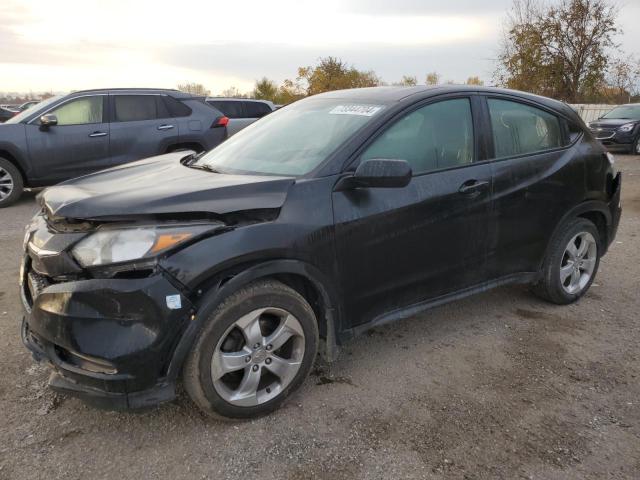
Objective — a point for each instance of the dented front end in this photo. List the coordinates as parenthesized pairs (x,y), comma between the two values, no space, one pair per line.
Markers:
(107,331)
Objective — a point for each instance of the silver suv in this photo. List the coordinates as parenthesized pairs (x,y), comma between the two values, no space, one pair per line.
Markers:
(241,111)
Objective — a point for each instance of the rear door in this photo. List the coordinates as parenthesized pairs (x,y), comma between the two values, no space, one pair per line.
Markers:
(537,178)
(77,145)
(397,247)
(141,126)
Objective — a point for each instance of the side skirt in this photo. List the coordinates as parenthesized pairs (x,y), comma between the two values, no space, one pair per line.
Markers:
(411,310)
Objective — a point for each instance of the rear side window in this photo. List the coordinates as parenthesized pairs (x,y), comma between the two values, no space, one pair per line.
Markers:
(81,111)
(176,108)
(132,108)
(439,135)
(520,129)
(256,109)
(231,109)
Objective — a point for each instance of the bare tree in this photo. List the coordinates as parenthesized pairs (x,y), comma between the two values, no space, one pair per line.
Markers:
(233,92)
(407,81)
(623,79)
(194,89)
(474,81)
(433,78)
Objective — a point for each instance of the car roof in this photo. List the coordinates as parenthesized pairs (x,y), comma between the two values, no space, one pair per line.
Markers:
(398,94)
(240,99)
(167,91)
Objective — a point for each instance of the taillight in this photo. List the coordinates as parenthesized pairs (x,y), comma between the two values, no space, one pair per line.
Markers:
(221,122)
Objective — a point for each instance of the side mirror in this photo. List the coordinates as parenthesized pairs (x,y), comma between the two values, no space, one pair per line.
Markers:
(48,120)
(378,173)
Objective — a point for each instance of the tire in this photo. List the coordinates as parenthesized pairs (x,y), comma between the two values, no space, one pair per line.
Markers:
(566,286)
(221,335)
(11,183)
(635,148)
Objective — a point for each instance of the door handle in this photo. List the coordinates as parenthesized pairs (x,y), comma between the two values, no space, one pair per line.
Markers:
(98,134)
(473,186)
(165,127)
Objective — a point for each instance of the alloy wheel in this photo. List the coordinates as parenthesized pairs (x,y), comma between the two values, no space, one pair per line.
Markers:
(578,263)
(6,184)
(258,357)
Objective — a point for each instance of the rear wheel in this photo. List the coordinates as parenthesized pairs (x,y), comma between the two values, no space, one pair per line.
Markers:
(11,183)
(256,348)
(572,262)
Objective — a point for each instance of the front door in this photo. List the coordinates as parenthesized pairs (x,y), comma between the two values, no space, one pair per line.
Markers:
(77,145)
(398,247)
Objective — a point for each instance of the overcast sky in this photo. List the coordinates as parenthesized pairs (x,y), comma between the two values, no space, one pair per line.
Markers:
(63,45)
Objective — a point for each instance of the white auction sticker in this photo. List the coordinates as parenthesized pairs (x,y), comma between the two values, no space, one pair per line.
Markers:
(174,302)
(364,110)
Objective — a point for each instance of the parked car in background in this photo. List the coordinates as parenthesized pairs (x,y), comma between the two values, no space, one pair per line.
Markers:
(7,112)
(28,104)
(241,111)
(346,210)
(619,129)
(72,135)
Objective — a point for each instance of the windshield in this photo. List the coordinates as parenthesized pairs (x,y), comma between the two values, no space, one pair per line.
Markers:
(293,140)
(29,111)
(631,112)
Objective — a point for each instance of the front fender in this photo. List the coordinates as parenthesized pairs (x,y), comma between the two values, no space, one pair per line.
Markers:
(216,294)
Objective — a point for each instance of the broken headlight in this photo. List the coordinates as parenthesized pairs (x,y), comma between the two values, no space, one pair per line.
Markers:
(107,246)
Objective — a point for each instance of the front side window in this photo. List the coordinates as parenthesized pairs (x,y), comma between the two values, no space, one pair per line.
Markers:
(439,135)
(133,108)
(520,129)
(294,140)
(81,111)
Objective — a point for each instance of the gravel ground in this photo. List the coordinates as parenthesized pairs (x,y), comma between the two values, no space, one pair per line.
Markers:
(500,385)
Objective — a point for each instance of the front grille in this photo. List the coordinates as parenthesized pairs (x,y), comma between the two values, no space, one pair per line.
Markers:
(33,283)
(603,133)
(37,283)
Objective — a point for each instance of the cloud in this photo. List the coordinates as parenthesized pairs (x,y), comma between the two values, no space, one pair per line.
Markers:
(456,62)
(424,7)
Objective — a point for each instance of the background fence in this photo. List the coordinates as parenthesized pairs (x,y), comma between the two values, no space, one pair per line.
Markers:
(590,112)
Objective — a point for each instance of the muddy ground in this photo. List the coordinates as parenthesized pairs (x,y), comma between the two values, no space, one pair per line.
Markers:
(500,385)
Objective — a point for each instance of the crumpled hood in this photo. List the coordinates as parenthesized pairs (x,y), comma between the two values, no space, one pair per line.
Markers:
(162,185)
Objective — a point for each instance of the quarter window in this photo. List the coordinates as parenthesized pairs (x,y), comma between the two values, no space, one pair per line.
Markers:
(439,135)
(231,109)
(256,109)
(519,129)
(81,111)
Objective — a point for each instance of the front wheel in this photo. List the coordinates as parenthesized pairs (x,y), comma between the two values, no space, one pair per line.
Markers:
(256,348)
(571,264)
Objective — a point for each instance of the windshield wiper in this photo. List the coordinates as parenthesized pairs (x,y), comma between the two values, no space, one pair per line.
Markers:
(191,158)
(205,167)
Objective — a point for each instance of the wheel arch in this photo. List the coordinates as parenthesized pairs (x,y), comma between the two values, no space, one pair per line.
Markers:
(595,211)
(16,161)
(173,147)
(306,279)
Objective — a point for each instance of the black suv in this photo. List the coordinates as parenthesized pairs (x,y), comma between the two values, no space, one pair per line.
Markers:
(72,135)
(619,129)
(343,211)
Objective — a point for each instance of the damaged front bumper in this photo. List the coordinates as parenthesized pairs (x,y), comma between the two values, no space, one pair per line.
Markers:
(109,341)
